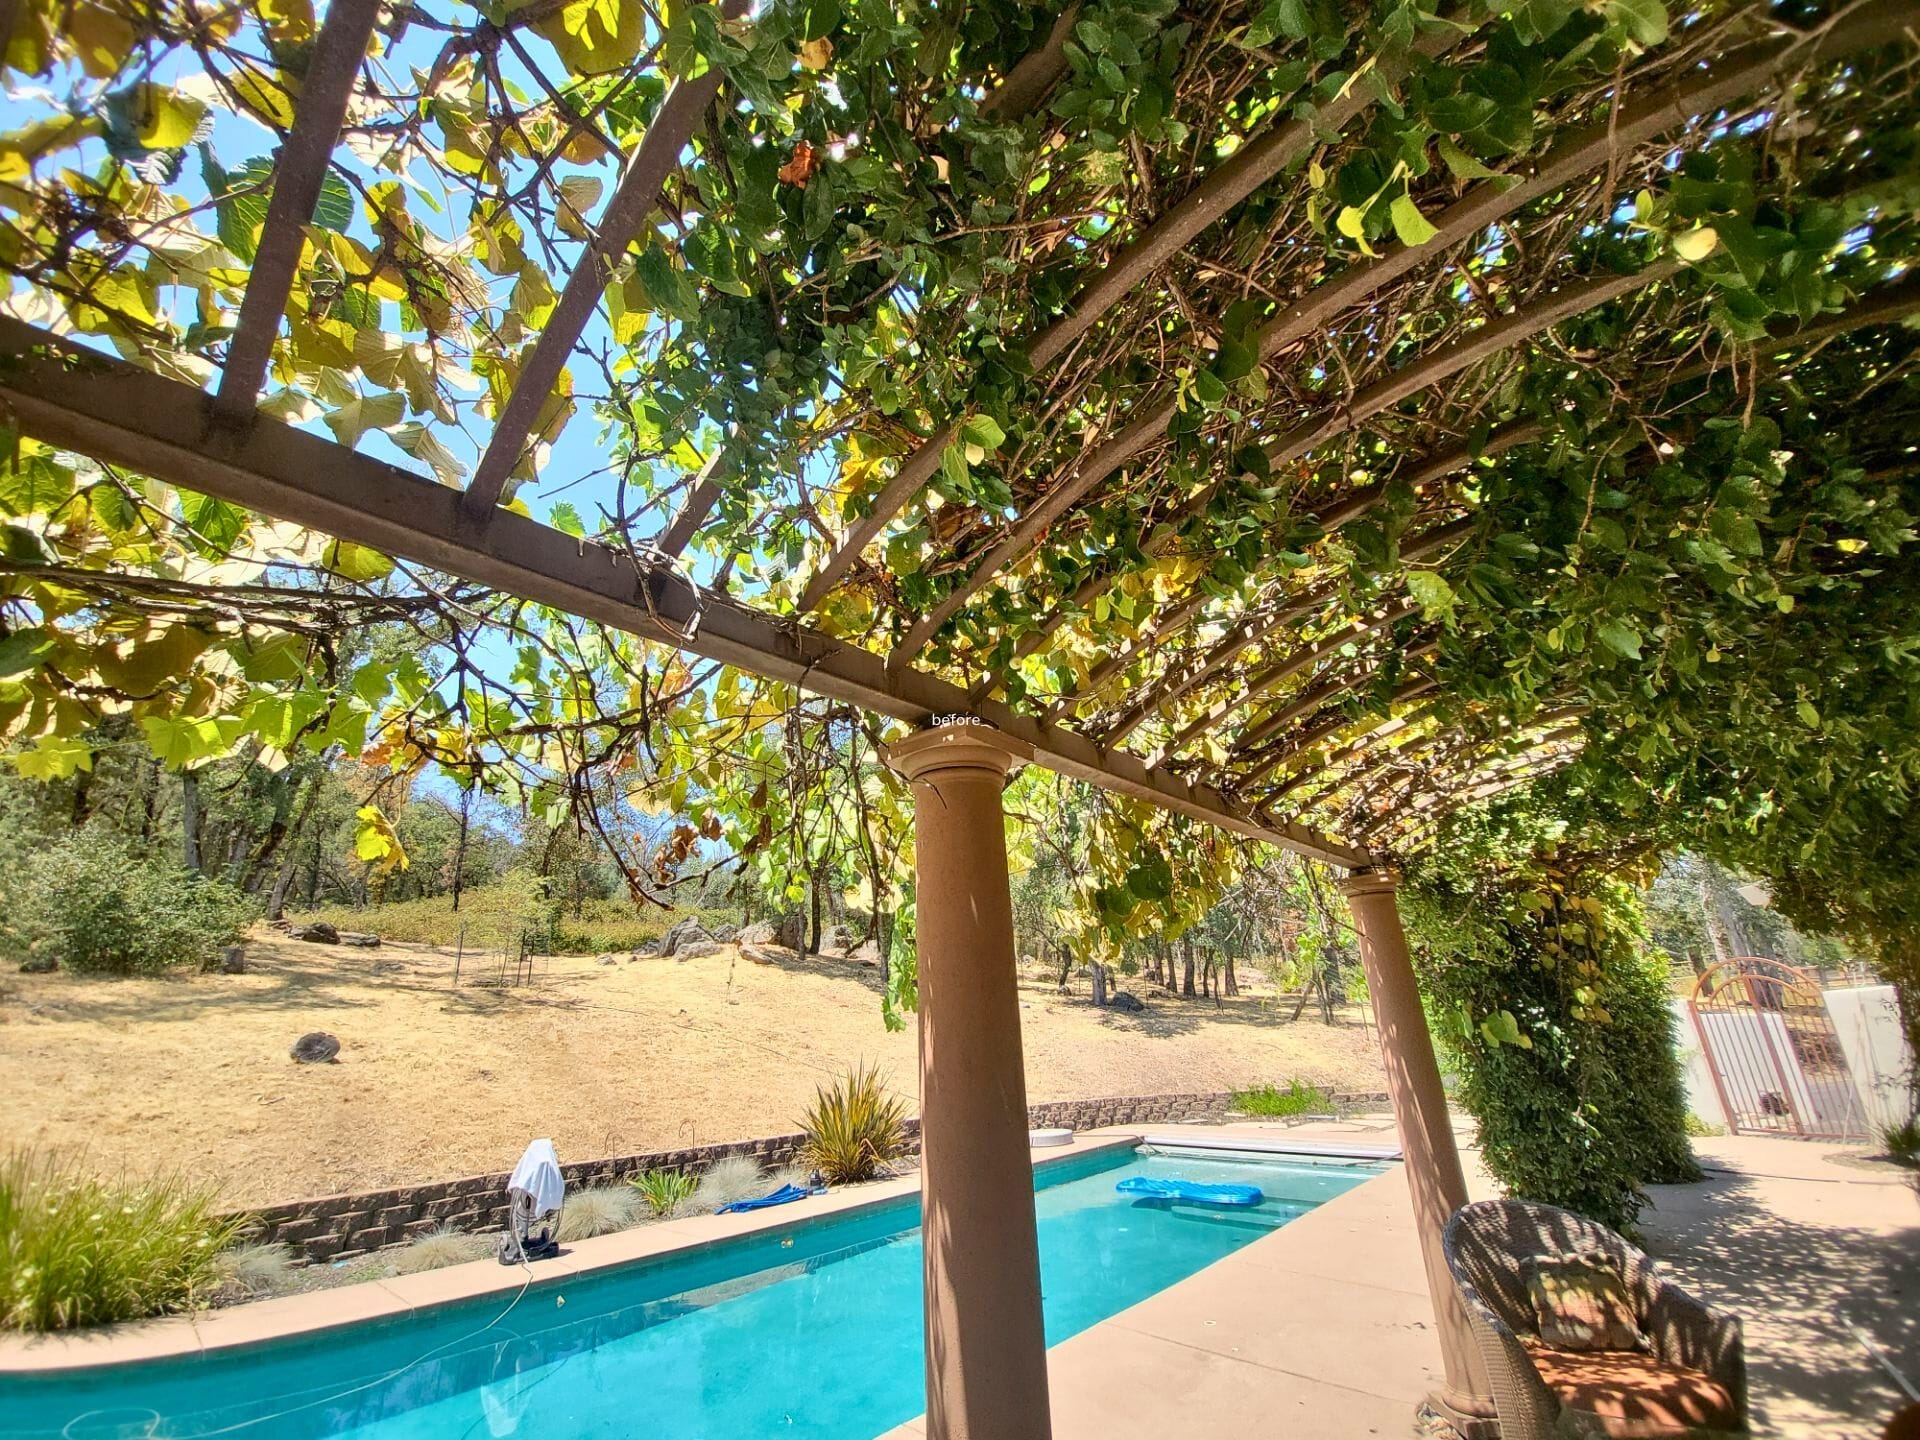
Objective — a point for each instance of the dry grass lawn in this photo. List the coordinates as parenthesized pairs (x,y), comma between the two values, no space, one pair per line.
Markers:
(435,1081)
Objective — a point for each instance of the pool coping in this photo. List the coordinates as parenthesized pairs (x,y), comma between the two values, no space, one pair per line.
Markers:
(288,1316)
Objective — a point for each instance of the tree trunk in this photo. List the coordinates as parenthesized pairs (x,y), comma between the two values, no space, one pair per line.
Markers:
(190,818)
(1099,984)
(1233,983)
(883,941)
(277,900)
(1066,963)
(817,898)
(460,847)
(1186,983)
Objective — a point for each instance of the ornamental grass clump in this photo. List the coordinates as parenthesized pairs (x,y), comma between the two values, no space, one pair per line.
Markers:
(78,1251)
(1271,1102)
(854,1127)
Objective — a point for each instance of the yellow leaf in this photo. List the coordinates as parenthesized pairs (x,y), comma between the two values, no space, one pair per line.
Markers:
(1695,245)
(168,120)
(817,54)
(102,40)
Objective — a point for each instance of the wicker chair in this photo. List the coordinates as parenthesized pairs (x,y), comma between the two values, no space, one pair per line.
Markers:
(1693,1383)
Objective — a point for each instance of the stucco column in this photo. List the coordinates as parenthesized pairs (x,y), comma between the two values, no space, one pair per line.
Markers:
(986,1345)
(1432,1161)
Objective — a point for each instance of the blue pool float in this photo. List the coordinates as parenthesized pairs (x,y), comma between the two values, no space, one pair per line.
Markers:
(785,1195)
(1192,1191)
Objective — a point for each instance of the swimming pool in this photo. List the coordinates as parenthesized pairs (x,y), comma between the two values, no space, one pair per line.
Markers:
(811,1329)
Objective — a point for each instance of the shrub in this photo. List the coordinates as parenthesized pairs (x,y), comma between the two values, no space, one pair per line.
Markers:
(854,1127)
(495,915)
(78,1251)
(730,1178)
(434,1250)
(599,1211)
(664,1191)
(106,908)
(1903,1141)
(253,1271)
(1299,1098)
(1556,1013)
(1700,1128)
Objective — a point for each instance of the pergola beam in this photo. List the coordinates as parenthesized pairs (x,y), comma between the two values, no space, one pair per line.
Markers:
(654,159)
(121,414)
(299,171)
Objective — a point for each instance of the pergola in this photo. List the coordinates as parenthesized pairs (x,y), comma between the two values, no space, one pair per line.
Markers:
(1247,470)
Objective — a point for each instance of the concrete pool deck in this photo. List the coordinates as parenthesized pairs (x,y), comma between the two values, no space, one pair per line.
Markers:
(1323,1329)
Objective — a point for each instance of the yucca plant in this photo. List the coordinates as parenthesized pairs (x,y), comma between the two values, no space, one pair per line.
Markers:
(78,1251)
(854,1127)
(664,1191)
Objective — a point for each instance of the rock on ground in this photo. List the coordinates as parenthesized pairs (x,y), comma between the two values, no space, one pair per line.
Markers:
(316,1047)
(360,938)
(319,933)
(233,961)
(789,931)
(683,933)
(697,949)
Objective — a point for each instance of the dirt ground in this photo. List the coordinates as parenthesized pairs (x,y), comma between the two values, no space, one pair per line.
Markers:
(436,1081)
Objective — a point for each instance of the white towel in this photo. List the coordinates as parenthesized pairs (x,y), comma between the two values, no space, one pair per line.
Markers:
(538,1177)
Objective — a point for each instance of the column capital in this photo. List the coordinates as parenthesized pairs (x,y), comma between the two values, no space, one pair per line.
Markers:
(957,747)
(1374,880)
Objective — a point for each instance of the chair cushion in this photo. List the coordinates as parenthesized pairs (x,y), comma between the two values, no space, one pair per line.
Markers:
(1631,1396)
(1580,1302)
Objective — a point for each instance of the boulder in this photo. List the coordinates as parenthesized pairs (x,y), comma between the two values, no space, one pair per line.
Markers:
(318,933)
(727,934)
(609,960)
(761,932)
(233,961)
(683,933)
(316,1047)
(697,949)
(1121,1000)
(39,965)
(839,937)
(757,954)
(363,940)
(867,953)
(791,931)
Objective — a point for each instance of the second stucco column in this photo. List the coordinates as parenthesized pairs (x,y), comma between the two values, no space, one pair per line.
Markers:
(986,1346)
(1432,1160)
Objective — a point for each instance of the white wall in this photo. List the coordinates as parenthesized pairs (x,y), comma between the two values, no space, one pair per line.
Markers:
(1868,1023)
(1702,1099)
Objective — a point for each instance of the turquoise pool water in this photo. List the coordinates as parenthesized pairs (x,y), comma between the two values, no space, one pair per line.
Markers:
(808,1330)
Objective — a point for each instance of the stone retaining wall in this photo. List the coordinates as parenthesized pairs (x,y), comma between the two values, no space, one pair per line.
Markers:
(335,1227)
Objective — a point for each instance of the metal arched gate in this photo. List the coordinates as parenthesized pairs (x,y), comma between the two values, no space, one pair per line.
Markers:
(1773,1051)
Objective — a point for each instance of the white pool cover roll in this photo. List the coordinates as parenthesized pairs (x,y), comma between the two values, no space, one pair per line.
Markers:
(538,1177)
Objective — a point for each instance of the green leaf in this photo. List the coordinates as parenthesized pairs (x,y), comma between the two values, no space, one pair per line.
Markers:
(1621,638)
(984,431)
(1413,228)
(1645,21)
(1352,223)
(53,757)
(357,562)
(1464,167)
(1809,715)
(1432,593)
(20,652)
(564,518)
